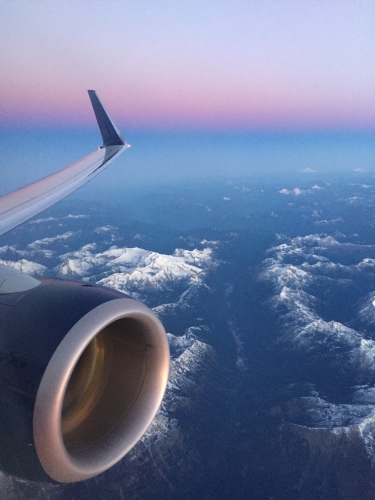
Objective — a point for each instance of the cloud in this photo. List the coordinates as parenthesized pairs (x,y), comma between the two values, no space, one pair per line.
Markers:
(46,241)
(307,170)
(296,191)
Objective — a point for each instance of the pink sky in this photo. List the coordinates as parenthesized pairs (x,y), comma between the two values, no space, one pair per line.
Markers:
(192,65)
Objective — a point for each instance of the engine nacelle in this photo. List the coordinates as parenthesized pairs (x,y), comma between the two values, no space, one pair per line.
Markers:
(83,371)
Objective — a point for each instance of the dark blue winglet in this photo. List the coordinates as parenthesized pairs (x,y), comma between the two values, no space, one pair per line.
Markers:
(110,133)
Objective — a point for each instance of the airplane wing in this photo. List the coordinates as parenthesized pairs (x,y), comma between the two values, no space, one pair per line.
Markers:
(21,205)
(83,369)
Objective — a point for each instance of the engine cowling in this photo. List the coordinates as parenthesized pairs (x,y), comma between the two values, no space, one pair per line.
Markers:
(83,370)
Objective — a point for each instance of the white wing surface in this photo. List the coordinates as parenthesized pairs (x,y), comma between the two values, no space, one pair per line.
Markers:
(21,205)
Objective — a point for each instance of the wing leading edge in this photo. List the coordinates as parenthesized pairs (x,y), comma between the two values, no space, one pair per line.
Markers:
(21,205)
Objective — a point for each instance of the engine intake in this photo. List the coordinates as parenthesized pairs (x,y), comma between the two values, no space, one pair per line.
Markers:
(93,365)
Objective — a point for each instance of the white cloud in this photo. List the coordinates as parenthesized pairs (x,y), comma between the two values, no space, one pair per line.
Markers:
(307,170)
(46,241)
(296,191)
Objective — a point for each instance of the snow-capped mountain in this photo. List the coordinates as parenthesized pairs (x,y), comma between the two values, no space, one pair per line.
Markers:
(128,269)
(320,295)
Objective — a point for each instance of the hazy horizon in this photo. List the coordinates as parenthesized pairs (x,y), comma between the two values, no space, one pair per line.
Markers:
(171,157)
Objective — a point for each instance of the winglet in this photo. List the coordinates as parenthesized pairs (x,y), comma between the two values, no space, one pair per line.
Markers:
(110,133)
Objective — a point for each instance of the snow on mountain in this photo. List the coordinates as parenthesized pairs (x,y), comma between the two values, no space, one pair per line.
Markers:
(316,415)
(26,266)
(305,273)
(178,304)
(196,257)
(166,282)
(189,362)
(167,441)
(298,261)
(366,311)
(8,248)
(130,268)
(136,271)
(315,412)
(294,270)
(179,344)
(15,252)
(333,335)
(286,275)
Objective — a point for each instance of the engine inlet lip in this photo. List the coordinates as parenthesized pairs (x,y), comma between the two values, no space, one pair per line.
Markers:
(55,459)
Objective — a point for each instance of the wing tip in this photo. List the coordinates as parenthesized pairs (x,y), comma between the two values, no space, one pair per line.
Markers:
(110,133)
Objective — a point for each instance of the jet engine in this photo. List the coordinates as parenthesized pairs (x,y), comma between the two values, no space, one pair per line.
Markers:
(83,371)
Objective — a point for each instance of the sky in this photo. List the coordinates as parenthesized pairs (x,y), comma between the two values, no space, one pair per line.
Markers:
(188,69)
